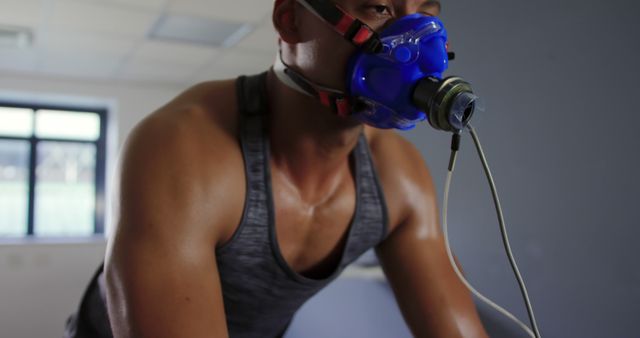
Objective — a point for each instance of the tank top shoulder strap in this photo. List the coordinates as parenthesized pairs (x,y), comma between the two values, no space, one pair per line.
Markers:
(252,104)
(252,95)
(372,225)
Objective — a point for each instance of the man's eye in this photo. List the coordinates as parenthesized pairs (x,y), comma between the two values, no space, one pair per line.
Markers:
(380,9)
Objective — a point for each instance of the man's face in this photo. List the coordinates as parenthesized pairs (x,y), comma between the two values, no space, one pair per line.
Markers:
(323,54)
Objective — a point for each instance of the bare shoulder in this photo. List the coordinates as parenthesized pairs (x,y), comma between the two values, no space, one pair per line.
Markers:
(179,189)
(403,173)
(393,153)
(208,105)
(182,157)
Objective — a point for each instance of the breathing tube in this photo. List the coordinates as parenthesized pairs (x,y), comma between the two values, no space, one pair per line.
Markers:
(395,80)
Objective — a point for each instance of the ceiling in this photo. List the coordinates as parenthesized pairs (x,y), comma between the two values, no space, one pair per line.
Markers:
(109,40)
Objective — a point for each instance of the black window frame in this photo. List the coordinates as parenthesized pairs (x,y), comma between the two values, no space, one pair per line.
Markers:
(101,157)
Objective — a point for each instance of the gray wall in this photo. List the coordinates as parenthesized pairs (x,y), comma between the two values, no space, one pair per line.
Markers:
(561,97)
(41,284)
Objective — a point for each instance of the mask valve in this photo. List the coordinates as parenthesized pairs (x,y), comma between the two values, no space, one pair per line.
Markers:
(449,103)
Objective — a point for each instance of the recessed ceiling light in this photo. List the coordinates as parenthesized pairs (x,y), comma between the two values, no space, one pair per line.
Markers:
(202,31)
(15,37)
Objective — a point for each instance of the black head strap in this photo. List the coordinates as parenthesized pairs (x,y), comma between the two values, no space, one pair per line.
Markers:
(337,101)
(352,29)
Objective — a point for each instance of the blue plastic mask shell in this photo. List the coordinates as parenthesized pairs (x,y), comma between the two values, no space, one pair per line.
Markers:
(414,47)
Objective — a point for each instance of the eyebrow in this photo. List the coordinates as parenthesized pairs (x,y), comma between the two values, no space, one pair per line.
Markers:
(430,3)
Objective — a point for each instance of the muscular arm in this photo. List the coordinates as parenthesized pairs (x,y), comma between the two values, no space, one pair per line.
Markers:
(434,302)
(162,278)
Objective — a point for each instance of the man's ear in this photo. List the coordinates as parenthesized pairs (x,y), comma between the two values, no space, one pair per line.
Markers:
(284,20)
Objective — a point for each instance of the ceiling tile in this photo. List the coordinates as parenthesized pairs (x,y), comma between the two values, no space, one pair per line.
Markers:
(198,30)
(79,64)
(98,17)
(18,60)
(83,42)
(174,52)
(157,71)
(250,11)
(21,12)
(145,4)
(92,39)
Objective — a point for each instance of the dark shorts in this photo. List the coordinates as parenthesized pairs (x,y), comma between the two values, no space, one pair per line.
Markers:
(91,320)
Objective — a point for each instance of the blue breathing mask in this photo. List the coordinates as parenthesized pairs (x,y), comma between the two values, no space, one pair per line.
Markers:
(395,78)
(413,48)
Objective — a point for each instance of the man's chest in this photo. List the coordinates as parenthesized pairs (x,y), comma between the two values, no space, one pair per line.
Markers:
(311,239)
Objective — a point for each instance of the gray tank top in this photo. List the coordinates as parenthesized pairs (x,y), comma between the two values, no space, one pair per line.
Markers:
(261,292)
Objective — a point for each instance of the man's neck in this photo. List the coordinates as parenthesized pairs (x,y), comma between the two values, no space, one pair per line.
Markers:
(309,144)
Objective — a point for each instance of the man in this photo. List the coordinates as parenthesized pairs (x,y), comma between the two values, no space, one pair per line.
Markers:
(240,199)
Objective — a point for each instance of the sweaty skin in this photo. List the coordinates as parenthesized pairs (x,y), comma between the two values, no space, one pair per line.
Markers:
(182,191)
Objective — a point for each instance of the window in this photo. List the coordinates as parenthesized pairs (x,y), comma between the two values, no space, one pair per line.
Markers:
(52,171)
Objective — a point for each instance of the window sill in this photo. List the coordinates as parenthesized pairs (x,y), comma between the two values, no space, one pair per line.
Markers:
(89,240)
